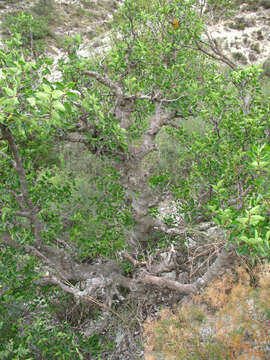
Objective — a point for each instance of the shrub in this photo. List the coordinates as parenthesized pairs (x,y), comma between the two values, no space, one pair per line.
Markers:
(32,29)
(44,8)
(266,67)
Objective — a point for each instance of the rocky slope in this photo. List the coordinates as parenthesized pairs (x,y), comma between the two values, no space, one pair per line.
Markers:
(228,320)
(62,18)
(246,35)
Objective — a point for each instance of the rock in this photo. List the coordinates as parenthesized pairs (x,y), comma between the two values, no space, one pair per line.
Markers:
(266,67)
(265,4)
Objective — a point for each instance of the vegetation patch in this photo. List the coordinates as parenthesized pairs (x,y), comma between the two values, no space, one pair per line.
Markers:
(229,320)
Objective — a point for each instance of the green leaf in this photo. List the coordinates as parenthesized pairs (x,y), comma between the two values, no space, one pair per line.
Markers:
(67,106)
(59,106)
(56,94)
(254,210)
(43,96)
(9,103)
(264,164)
(32,101)
(244,238)
(219,184)
(4,211)
(255,219)
(243,220)
(56,118)
(47,88)
(9,91)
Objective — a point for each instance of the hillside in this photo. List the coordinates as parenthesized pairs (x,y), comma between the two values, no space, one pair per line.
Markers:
(243,35)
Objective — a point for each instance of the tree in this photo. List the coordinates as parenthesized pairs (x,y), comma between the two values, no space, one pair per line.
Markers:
(155,76)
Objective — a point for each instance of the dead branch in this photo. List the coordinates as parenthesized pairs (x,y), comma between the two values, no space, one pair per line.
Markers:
(212,50)
(222,262)
(133,261)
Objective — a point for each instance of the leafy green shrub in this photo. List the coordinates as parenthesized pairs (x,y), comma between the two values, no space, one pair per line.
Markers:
(96,210)
(220,8)
(42,340)
(265,4)
(266,67)
(32,29)
(12,1)
(233,152)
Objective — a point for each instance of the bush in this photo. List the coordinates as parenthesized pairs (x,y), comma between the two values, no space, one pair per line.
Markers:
(45,9)
(32,29)
(266,67)
(265,4)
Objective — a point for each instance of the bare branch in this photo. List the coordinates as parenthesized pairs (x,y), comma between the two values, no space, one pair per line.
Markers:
(105,80)
(13,163)
(162,282)
(69,288)
(23,214)
(212,50)
(224,259)
(133,261)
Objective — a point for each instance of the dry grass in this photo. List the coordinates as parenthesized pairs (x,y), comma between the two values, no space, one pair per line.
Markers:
(229,320)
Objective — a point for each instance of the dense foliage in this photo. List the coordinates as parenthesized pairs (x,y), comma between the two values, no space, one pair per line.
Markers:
(218,167)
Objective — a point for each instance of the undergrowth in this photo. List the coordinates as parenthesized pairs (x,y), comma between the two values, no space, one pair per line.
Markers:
(229,320)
